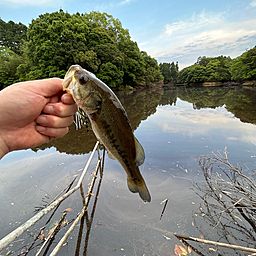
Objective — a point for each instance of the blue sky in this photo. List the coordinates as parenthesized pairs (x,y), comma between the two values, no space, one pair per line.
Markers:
(167,30)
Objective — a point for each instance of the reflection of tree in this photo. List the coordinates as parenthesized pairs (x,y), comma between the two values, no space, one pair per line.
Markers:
(140,104)
(228,201)
(239,101)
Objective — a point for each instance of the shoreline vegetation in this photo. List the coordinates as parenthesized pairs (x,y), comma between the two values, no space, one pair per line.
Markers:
(98,42)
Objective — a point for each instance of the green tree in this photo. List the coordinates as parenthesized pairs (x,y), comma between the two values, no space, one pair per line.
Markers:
(170,72)
(55,39)
(215,69)
(152,70)
(166,72)
(9,62)
(96,41)
(12,35)
(244,67)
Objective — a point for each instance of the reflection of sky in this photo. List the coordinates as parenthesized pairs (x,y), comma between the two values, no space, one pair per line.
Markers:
(182,118)
(178,133)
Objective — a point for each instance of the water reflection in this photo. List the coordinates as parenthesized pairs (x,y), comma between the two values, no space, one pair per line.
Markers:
(175,126)
(139,105)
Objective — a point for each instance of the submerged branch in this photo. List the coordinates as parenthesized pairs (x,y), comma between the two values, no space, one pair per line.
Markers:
(235,247)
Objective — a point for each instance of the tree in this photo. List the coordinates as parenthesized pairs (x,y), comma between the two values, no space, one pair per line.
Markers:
(152,70)
(210,69)
(244,67)
(12,35)
(9,62)
(96,41)
(170,72)
(166,72)
(55,40)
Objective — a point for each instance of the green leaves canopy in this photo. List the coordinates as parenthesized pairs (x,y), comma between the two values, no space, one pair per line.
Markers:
(96,41)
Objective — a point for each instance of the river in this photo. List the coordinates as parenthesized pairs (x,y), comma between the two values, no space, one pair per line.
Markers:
(175,126)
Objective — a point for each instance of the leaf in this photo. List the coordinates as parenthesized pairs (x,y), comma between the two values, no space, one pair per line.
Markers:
(53,224)
(179,250)
(68,210)
(8,253)
(211,249)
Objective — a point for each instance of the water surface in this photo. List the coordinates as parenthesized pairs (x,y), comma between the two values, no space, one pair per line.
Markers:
(175,126)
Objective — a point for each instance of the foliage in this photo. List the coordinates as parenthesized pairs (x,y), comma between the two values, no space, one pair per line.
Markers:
(215,69)
(96,41)
(12,35)
(152,70)
(9,62)
(170,72)
(244,67)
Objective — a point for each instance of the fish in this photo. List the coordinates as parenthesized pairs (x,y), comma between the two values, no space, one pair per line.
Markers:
(109,123)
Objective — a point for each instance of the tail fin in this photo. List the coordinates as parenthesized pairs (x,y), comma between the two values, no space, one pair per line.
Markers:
(139,187)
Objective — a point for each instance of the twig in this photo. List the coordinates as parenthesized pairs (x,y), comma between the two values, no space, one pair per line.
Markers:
(235,247)
(17,232)
(166,201)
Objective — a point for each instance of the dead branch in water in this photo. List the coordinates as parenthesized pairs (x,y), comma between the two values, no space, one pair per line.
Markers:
(17,232)
(230,246)
(228,200)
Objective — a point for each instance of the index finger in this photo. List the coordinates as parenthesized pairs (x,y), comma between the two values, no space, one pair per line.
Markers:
(67,99)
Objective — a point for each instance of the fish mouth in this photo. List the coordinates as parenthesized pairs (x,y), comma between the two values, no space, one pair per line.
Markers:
(70,78)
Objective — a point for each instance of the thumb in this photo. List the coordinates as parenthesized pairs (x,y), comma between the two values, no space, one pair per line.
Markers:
(46,87)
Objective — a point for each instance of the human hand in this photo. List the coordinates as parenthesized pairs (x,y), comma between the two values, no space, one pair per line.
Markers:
(33,113)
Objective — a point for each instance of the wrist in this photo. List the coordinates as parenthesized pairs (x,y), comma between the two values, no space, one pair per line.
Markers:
(3,147)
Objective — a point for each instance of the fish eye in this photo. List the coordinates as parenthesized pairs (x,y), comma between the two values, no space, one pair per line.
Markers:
(83,79)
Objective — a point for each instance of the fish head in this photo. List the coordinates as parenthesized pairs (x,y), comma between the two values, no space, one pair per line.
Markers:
(81,84)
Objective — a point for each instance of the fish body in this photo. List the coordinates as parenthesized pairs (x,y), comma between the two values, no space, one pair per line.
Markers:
(110,124)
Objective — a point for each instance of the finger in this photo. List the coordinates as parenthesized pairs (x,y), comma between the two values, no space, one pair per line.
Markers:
(46,87)
(60,109)
(54,99)
(52,132)
(54,121)
(67,99)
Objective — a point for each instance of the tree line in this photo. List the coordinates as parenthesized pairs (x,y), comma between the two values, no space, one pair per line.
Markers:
(213,69)
(98,42)
(55,41)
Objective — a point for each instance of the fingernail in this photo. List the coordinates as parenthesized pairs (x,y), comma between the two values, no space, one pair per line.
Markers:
(48,109)
(40,129)
(41,120)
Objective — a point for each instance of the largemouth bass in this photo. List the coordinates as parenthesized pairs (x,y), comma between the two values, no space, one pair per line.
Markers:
(109,123)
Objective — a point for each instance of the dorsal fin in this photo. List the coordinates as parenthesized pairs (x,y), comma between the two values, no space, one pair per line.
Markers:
(140,154)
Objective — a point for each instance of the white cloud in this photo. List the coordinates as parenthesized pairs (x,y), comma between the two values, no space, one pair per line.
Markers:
(196,22)
(126,1)
(253,3)
(202,35)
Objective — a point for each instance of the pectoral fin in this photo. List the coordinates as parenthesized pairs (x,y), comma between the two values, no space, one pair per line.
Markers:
(140,154)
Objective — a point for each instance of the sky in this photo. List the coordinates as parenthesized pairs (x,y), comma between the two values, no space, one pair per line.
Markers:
(167,30)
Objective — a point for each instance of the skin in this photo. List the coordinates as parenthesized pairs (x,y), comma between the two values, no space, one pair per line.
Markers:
(33,113)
